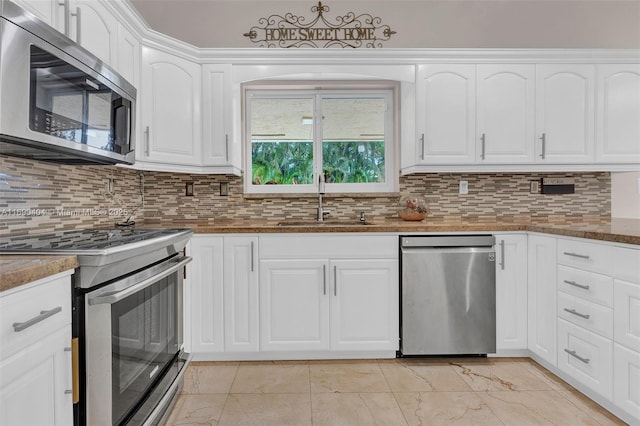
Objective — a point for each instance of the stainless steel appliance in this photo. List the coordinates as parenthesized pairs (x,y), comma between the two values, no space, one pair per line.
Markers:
(58,102)
(127,319)
(448,295)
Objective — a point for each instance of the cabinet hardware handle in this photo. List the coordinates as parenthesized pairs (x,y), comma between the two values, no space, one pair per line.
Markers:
(422,147)
(575,284)
(68,392)
(578,314)
(324,280)
(19,326)
(483,152)
(226,147)
(578,357)
(78,16)
(502,254)
(251,256)
(65,5)
(146,141)
(335,280)
(581,256)
(543,138)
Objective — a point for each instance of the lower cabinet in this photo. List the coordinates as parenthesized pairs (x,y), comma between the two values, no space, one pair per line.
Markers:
(626,380)
(35,353)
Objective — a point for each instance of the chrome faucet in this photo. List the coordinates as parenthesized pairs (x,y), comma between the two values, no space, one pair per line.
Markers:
(320,211)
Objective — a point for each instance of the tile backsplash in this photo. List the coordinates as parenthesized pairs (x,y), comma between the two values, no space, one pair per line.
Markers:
(41,197)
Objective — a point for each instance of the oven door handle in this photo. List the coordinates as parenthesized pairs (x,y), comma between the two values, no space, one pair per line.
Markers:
(116,296)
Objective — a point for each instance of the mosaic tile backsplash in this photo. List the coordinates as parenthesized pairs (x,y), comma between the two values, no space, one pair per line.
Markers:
(41,197)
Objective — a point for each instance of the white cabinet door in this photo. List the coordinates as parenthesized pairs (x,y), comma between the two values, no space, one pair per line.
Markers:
(294,305)
(511,292)
(217,116)
(626,380)
(445,114)
(565,113)
(205,290)
(170,109)
(364,304)
(128,56)
(626,311)
(240,294)
(95,29)
(50,12)
(618,113)
(35,382)
(542,295)
(505,113)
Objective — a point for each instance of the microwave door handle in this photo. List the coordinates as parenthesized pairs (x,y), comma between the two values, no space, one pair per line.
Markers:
(116,296)
(127,117)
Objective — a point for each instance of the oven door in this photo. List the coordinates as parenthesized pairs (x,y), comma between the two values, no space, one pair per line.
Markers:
(133,342)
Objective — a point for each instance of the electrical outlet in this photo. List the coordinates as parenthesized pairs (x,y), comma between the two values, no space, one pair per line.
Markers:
(534,187)
(188,189)
(463,188)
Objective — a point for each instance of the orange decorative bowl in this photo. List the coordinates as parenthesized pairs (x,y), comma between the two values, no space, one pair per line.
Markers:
(412,207)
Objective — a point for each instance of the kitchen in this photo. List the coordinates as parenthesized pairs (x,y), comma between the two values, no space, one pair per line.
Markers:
(235,225)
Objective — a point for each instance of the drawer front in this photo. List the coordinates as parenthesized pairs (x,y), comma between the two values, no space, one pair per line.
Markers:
(626,264)
(590,360)
(328,246)
(626,380)
(28,315)
(626,306)
(587,285)
(583,313)
(588,256)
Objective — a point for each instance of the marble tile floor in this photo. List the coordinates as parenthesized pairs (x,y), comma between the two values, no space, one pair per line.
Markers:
(452,391)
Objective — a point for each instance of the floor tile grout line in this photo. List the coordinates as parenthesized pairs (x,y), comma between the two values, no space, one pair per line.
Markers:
(226,398)
(404,416)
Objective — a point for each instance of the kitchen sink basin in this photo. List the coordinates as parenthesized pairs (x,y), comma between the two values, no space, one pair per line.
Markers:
(313,223)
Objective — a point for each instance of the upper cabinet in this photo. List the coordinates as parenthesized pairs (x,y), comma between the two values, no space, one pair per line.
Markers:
(564,113)
(445,109)
(95,28)
(618,113)
(505,113)
(217,116)
(170,109)
(51,12)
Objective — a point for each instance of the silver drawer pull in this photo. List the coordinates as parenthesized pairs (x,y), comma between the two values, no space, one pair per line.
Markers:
(573,311)
(575,284)
(68,392)
(576,356)
(581,256)
(19,326)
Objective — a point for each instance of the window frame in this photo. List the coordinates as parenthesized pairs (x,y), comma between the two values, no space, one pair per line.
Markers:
(317,90)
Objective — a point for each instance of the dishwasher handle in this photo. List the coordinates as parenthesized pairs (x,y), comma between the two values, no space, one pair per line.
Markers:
(440,241)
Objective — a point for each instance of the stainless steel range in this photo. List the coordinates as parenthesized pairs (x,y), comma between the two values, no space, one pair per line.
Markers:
(127,319)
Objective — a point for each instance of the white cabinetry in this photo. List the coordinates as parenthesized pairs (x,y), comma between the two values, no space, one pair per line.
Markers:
(204,295)
(240,293)
(511,294)
(326,293)
(505,113)
(50,12)
(95,28)
(446,113)
(170,109)
(35,353)
(618,113)
(542,295)
(565,96)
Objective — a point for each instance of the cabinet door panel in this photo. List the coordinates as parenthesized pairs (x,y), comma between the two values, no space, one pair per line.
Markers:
(626,380)
(505,113)
(95,29)
(294,305)
(217,115)
(364,305)
(511,292)
(565,113)
(446,114)
(626,308)
(618,116)
(240,294)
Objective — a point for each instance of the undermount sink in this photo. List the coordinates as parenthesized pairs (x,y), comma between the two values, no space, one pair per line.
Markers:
(324,223)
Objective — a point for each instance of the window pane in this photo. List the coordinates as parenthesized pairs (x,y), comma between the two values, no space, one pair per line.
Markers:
(353,146)
(281,141)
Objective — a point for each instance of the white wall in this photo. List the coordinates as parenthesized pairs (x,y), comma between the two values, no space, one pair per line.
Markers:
(625,195)
(419,23)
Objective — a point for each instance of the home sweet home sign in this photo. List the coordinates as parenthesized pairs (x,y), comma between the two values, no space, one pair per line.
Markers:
(347,30)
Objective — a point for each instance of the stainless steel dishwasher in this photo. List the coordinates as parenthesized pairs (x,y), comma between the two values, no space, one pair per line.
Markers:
(448,295)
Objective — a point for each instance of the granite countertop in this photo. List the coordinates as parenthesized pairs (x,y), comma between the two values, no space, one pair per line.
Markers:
(16,270)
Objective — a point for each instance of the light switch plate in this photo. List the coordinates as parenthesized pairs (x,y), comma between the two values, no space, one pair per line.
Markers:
(463,188)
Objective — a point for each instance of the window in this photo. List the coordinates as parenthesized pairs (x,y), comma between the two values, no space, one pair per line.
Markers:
(294,135)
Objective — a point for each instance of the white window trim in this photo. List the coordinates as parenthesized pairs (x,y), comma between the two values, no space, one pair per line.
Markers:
(387,89)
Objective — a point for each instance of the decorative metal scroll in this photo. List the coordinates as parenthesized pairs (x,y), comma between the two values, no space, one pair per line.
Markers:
(292,30)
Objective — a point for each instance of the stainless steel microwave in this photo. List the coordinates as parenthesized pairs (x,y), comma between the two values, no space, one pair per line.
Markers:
(58,102)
